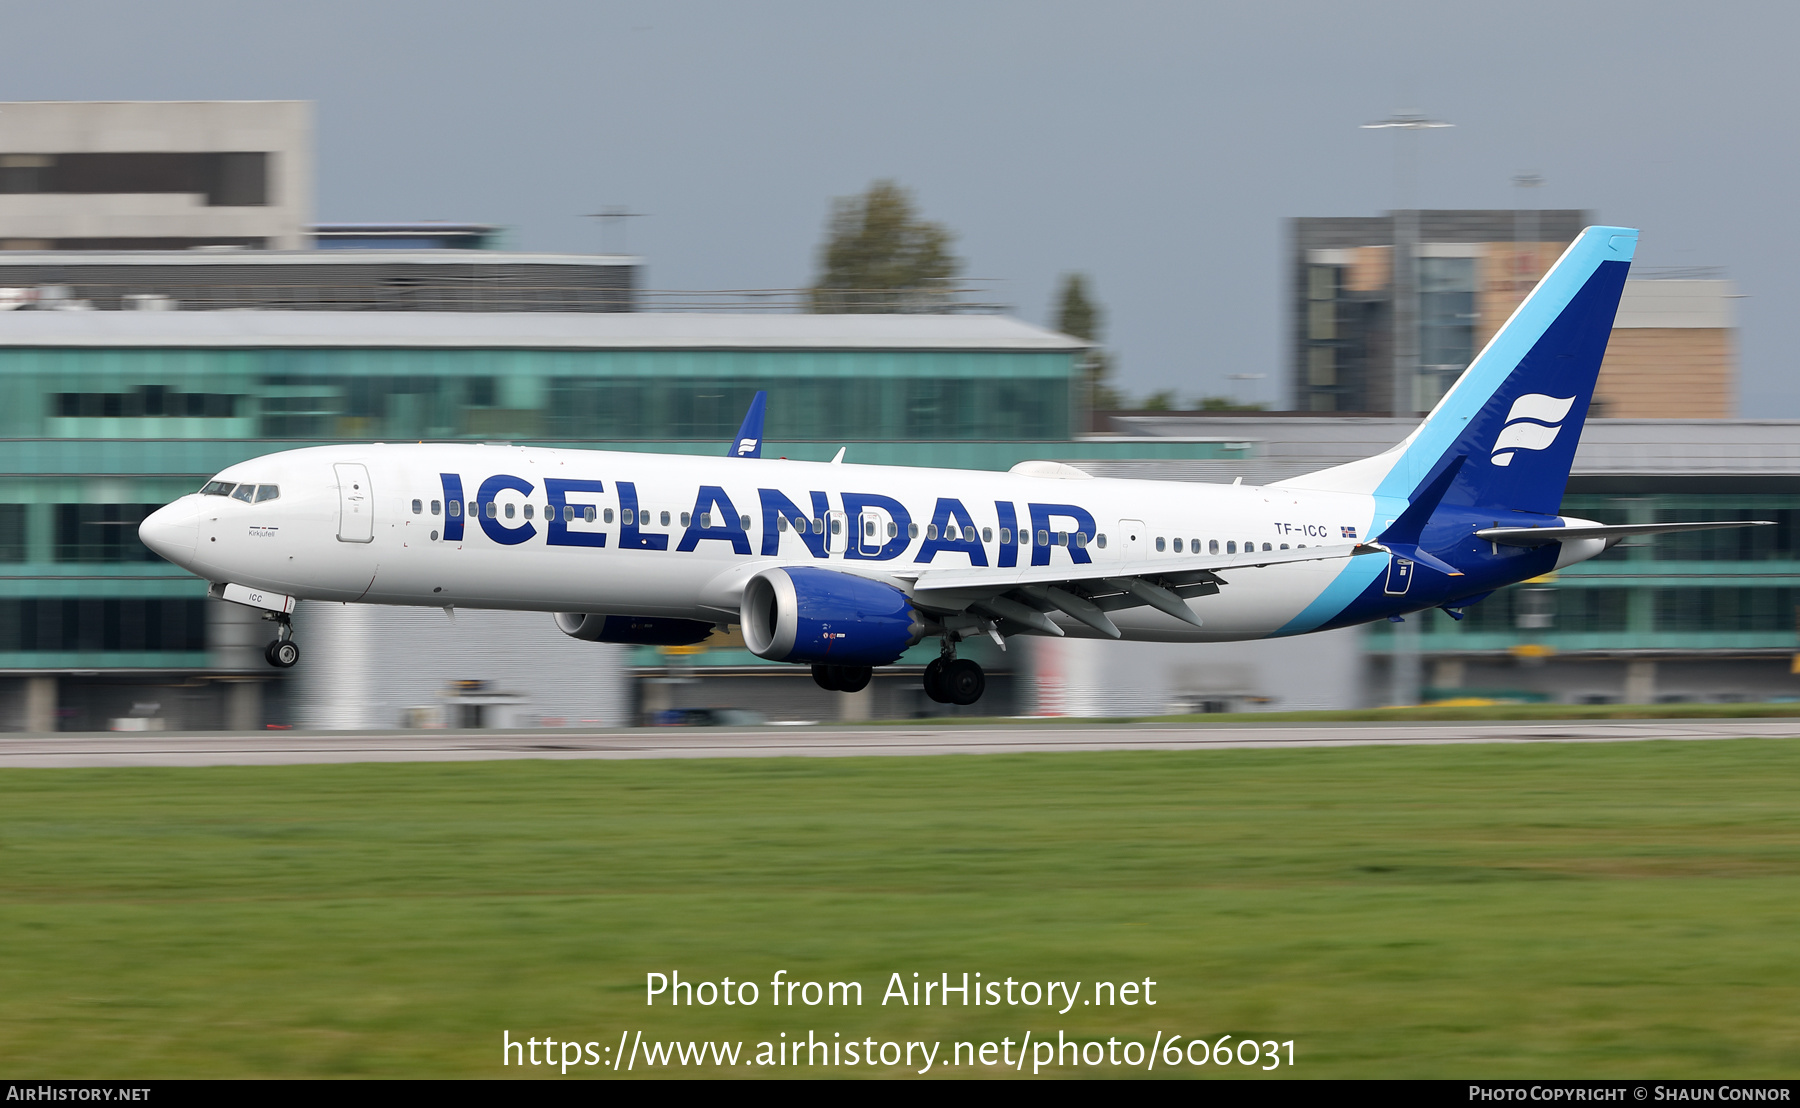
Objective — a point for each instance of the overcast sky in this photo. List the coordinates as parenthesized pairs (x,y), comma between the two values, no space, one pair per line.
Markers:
(1158,147)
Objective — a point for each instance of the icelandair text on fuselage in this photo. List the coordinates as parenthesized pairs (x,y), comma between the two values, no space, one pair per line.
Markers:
(970,989)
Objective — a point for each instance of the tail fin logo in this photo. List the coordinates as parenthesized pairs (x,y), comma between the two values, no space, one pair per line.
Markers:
(1533,424)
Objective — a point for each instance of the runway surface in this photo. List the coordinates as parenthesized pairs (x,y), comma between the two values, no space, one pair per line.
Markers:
(270,748)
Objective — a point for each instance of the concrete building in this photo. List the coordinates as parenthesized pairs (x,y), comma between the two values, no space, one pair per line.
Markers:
(336,280)
(1386,312)
(137,175)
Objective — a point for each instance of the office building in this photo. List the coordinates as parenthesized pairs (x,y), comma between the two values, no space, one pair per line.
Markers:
(1386,312)
(137,175)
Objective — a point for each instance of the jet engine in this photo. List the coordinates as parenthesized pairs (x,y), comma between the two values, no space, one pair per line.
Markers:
(640,630)
(805,614)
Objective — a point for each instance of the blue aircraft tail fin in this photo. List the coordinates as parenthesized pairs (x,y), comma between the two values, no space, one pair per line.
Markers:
(1517,412)
(748,443)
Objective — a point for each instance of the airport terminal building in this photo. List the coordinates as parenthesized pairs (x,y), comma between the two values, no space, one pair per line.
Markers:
(109,414)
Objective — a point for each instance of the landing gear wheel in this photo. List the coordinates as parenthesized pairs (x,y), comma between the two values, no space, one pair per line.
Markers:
(282,653)
(826,677)
(853,678)
(963,682)
(934,681)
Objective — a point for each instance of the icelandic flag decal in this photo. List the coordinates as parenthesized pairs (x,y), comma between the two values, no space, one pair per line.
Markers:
(1349,532)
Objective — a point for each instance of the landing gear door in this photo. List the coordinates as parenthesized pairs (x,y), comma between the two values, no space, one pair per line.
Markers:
(356,503)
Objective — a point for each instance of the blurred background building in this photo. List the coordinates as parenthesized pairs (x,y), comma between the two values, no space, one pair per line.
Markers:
(168,308)
(1380,325)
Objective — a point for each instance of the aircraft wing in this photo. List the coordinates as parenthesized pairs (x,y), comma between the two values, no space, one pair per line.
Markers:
(1544,536)
(1021,599)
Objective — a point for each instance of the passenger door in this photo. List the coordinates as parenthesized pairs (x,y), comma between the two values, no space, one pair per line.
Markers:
(356,503)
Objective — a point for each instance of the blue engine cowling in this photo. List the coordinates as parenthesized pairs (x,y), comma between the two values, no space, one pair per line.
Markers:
(803,614)
(641,630)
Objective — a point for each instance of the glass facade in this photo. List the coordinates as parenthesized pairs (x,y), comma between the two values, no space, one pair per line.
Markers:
(1736,589)
(566,395)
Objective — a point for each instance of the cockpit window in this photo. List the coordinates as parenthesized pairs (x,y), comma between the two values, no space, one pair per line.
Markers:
(267,492)
(246,493)
(218,488)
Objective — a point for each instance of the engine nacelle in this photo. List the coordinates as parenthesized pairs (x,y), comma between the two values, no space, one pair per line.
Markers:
(804,614)
(639,630)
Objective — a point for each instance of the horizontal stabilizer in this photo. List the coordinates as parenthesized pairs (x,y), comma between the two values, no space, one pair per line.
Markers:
(1544,536)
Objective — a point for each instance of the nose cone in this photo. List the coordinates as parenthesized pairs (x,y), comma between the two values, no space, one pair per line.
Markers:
(172,531)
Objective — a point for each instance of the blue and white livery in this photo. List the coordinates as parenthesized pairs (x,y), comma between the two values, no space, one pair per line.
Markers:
(843,567)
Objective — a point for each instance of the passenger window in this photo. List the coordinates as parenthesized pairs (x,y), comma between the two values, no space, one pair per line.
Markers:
(685,518)
(436,507)
(246,493)
(1284,546)
(493,510)
(473,509)
(418,507)
(1212,547)
(528,512)
(1024,537)
(1231,547)
(1177,546)
(1062,538)
(1266,546)
(744,522)
(589,514)
(1159,544)
(665,518)
(931,532)
(837,526)
(818,526)
(987,534)
(629,516)
(1006,536)
(912,531)
(1043,538)
(1101,539)
(781,524)
(868,528)
(509,510)
(608,514)
(1081,538)
(893,529)
(267,492)
(217,488)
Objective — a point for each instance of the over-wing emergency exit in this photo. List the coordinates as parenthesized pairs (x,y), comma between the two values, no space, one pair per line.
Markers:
(843,567)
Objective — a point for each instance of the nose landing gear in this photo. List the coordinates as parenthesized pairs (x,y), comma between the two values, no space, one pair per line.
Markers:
(284,651)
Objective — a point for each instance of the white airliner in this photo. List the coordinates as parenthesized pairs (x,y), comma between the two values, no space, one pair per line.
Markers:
(843,567)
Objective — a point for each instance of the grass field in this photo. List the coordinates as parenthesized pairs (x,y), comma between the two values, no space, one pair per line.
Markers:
(1540,910)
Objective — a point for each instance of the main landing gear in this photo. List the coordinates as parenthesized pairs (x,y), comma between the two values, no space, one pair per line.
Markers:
(953,680)
(284,651)
(842,678)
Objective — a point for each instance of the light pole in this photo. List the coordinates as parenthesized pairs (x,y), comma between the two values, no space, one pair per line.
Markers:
(1522,233)
(1404,661)
(1236,377)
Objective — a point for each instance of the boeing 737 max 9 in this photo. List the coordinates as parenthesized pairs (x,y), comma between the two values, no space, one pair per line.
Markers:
(843,567)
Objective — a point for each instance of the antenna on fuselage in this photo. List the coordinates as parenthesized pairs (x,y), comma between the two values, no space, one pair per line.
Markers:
(748,443)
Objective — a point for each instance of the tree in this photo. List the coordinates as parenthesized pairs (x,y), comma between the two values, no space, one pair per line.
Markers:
(1079,316)
(879,256)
